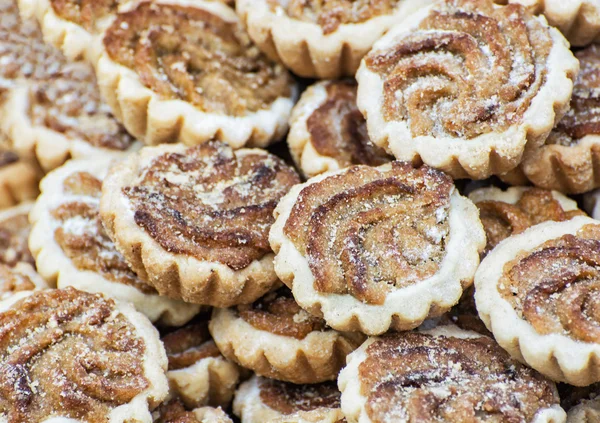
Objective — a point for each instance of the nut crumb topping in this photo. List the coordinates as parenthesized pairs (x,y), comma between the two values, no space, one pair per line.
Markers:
(288,398)
(188,345)
(14,235)
(85,13)
(12,282)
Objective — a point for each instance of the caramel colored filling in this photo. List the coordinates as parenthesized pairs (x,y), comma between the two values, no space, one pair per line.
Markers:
(8,158)
(339,130)
(211,203)
(584,116)
(85,13)
(556,287)
(23,53)
(470,68)
(81,235)
(419,378)
(189,54)
(287,398)
(66,353)
(330,14)
(367,232)
(501,220)
(188,345)
(279,314)
(14,234)
(71,105)
(465,314)
(12,282)
(174,412)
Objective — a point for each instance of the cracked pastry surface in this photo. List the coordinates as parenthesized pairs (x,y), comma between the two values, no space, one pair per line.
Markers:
(262,400)
(370,249)
(187,71)
(328,132)
(321,39)
(198,374)
(194,221)
(72,248)
(428,92)
(275,338)
(78,356)
(445,375)
(537,293)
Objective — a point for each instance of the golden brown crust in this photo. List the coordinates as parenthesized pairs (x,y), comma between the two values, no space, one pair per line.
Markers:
(18,282)
(19,178)
(196,220)
(448,375)
(87,358)
(418,107)
(175,412)
(14,235)
(276,339)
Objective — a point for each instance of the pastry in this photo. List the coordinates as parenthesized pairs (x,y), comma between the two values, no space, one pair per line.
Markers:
(175,412)
(275,338)
(321,39)
(371,249)
(71,247)
(185,70)
(504,213)
(63,117)
(591,203)
(582,404)
(328,132)
(18,282)
(537,293)
(198,373)
(14,234)
(443,375)
(73,356)
(194,221)
(262,400)
(578,20)
(465,86)
(568,160)
(19,178)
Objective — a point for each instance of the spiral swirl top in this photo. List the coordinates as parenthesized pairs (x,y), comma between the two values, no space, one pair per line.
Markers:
(190,54)
(556,287)
(338,129)
(211,203)
(67,353)
(425,378)
(468,69)
(583,118)
(367,231)
(288,398)
(330,14)
(278,313)
(188,345)
(14,235)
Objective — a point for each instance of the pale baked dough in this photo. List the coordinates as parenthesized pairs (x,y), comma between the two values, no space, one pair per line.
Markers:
(155,120)
(316,358)
(211,415)
(404,308)
(305,49)
(58,269)
(555,355)
(18,181)
(591,201)
(490,153)
(354,399)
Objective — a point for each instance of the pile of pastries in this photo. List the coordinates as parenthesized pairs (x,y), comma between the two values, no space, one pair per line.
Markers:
(299,211)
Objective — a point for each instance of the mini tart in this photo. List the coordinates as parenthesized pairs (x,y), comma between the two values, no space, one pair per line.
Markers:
(578,20)
(569,159)
(175,412)
(73,356)
(185,70)
(445,374)
(328,132)
(537,292)
(198,374)
(17,283)
(63,117)
(371,249)
(440,89)
(275,338)
(71,247)
(510,212)
(19,178)
(14,235)
(261,400)
(321,39)
(194,221)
